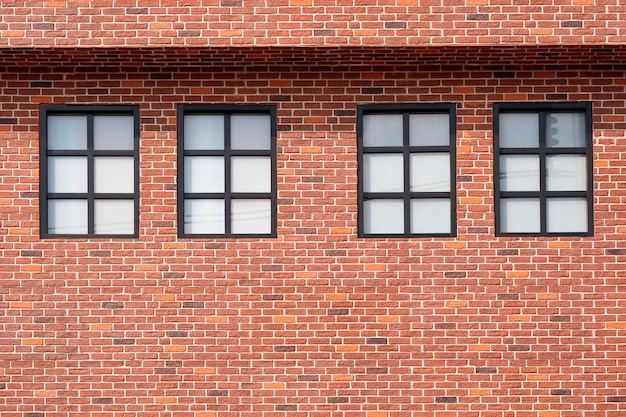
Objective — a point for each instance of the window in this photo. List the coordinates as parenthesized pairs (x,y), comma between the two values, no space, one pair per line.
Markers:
(406,170)
(89,171)
(227,170)
(543,168)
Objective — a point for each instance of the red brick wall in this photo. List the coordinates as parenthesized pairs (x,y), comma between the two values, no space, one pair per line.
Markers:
(309,22)
(316,322)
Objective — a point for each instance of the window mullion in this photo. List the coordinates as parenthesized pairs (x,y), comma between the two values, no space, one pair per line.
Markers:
(91,178)
(406,156)
(227,175)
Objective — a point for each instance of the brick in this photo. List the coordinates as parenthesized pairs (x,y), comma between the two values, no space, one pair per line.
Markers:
(331,323)
(337,400)
(446,400)
(376,341)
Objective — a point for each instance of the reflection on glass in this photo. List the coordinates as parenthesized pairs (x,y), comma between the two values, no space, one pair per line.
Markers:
(430,172)
(251,174)
(430,215)
(67,132)
(204,174)
(67,174)
(382,130)
(114,132)
(383,173)
(429,129)
(567,173)
(519,130)
(114,217)
(566,215)
(114,174)
(204,132)
(67,217)
(565,130)
(204,217)
(251,217)
(250,131)
(520,215)
(383,217)
(519,173)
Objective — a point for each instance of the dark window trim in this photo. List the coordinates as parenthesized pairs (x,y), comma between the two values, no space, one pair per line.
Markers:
(90,153)
(227,111)
(406,150)
(541,108)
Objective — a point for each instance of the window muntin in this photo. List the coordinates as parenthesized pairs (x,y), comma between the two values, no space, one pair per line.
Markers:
(89,171)
(226,171)
(406,170)
(543,169)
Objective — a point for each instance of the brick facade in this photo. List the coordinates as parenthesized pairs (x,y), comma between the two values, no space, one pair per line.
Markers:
(317,321)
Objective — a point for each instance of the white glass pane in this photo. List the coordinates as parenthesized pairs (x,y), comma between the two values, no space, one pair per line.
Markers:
(204,131)
(251,217)
(114,174)
(204,174)
(250,131)
(520,215)
(67,174)
(67,132)
(519,173)
(565,130)
(566,215)
(114,132)
(382,130)
(251,174)
(204,217)
(383,217)
(429,129)
(567,173)
(430,172)
(519,130)
(114,217)
(431,215)
(383,173)
(67,217)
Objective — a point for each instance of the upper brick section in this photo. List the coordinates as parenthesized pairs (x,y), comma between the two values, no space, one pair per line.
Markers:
(95,23)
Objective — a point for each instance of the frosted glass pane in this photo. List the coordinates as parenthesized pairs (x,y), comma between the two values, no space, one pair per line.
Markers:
(565,130)
(430,172)
(251,174)
(567,173)
(429,129)
(67,132)
(519,173)
(383,173)
(250,131)
(251,217)
(520,215)
(204,174)
(204,131)
(67,174)
(519,130)
(114,175)
(566,215)
(430,215)
(113,132)
(382,130)
(67,217)
(383,217)
(114,217)
(204,217)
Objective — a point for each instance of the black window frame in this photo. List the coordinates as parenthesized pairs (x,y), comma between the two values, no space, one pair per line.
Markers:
(226,110)
(406,110)
(542,109)
(90,111)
